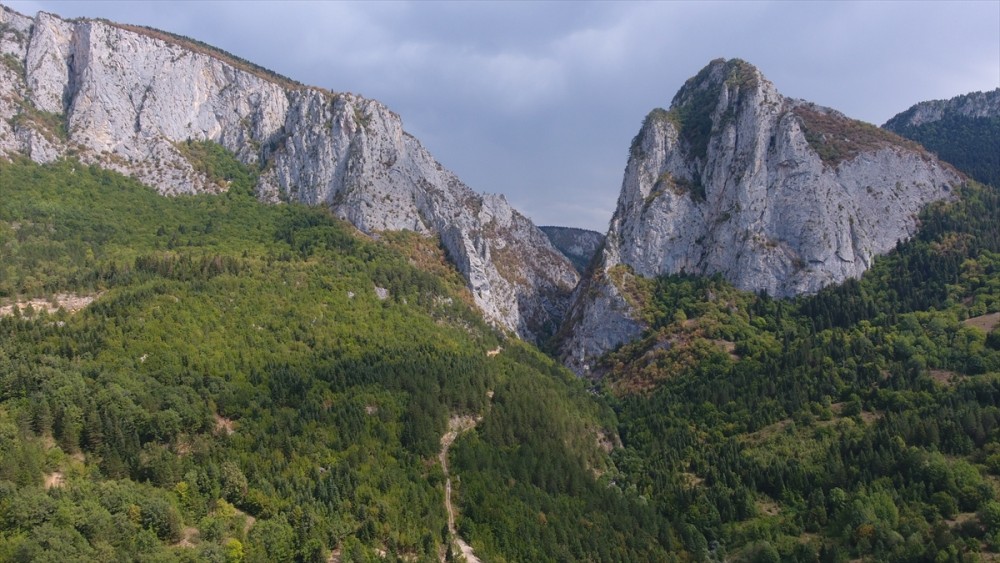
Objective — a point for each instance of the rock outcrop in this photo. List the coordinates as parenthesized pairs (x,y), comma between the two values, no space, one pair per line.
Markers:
(579,245)
(777,195)
(125,97)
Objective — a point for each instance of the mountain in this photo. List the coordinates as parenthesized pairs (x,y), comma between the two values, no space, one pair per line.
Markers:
(579,245)
(964,131)
(212,378)
(775,195)
(175,386)
(134,99)
(857,423)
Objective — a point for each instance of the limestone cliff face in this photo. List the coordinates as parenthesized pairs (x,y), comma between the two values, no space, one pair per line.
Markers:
(776,195)
(579,245)
(124,97)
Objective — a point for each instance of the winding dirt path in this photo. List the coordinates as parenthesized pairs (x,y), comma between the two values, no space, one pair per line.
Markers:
(456,426)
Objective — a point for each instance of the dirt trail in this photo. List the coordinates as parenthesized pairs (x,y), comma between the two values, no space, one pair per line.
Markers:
(456,426)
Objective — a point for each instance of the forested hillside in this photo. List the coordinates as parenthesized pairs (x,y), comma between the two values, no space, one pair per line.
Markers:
(970,143)
(206,378)
(861,422)
(262,383)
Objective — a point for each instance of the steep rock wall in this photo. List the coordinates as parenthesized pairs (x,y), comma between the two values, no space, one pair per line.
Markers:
(125,97)
(776,195)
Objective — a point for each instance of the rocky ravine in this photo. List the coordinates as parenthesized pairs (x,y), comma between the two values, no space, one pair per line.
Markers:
(579,245)
(124,97)
(776,195)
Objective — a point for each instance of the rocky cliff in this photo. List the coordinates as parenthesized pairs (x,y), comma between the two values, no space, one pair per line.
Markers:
(965,131)
(579,245)
(126,97)
(776,195)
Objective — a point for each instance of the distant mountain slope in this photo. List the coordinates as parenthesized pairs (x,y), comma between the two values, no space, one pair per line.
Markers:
(579,245)
(129,98)
(964,131)
(775,195)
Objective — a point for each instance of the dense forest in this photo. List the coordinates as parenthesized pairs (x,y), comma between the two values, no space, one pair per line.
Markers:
(260,383)
(207,378)
(861,422)
(970,143)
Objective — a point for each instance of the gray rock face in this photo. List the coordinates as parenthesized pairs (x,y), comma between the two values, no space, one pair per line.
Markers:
(124,97)
(975,105)
(776,195)
(579,245)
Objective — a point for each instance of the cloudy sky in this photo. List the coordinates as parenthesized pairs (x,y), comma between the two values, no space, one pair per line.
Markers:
(539,101)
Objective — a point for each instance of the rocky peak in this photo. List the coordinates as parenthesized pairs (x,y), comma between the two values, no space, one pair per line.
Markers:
(776,195)
(127,97)
(720,92)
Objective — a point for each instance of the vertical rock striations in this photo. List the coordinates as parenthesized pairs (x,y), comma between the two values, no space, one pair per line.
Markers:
(776,195)
(125,97)
(579,245)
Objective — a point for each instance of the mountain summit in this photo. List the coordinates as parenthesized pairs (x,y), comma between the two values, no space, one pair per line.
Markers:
(130,99)
(776,195)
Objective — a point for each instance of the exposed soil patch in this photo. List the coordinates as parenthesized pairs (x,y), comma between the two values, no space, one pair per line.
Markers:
(768,506)
(766,432)
(249,522)
(869,417)
(69,302)
(944,377)
(960,519)
(607,442)
(729,347)
(985,323)
(189,537)
(692,479)
(223,424)
(54,480)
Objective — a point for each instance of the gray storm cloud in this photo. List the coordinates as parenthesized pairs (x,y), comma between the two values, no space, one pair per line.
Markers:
(539,101)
